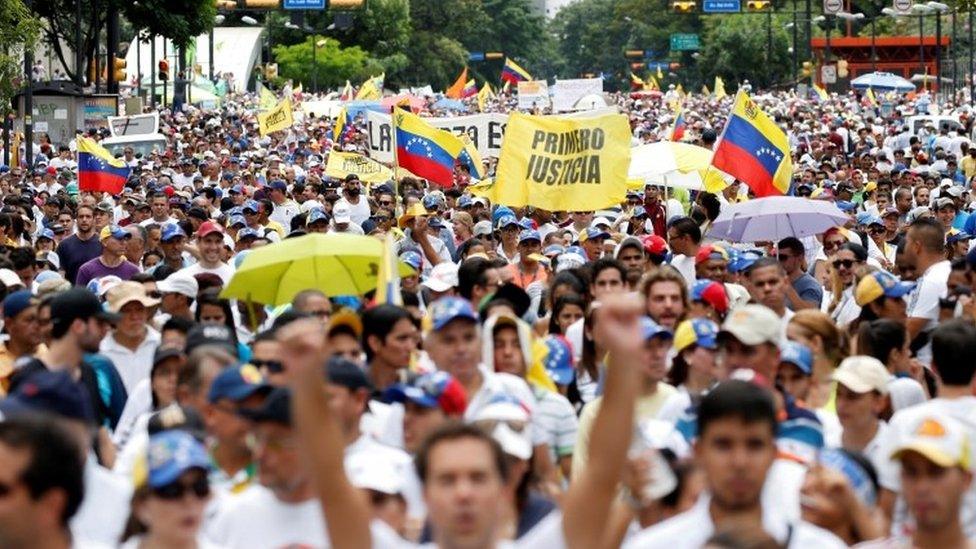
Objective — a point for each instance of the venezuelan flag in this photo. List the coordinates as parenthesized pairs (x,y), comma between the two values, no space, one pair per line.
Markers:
(388,278)
(753,149)
(426,151)
(513,73)
(470,157)
(340,125)
(98,170)
(678,131)
(470,88)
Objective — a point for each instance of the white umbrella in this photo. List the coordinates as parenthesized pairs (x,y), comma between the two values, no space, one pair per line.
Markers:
(774,218)
(676,165)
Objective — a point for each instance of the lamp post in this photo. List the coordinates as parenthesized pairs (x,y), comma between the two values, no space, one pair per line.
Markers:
(938,8)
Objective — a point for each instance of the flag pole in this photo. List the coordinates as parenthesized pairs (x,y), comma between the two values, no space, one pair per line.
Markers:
(396,164)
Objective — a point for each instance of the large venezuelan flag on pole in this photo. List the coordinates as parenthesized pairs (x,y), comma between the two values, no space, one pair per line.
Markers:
(98,170)
(754,150)
(424,150)
(513,73)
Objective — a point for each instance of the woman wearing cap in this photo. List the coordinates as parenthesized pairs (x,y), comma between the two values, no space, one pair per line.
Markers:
(693,368)
(168,507)
(881,295)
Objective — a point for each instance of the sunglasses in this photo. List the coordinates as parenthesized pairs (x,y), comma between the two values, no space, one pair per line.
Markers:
(846,263)
(385,203)
(784,257)
(273,366)
(176,490)
(831,245)
(876,230)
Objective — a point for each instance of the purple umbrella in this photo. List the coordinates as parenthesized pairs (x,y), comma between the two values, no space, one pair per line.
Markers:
(774,218)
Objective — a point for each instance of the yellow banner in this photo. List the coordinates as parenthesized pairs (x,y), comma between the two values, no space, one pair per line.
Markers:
(341,164)
(278,118)
(562,164)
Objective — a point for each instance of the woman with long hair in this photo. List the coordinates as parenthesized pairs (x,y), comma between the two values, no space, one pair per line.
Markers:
(842,307)
(168,507)
(568,309)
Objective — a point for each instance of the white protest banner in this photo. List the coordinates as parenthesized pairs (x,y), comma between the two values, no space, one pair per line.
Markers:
(533,94)
(485,130)
(566,93)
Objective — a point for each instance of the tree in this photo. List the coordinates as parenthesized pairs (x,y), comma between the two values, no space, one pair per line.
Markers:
(734,47)
(19,29)
(178,20)
(333,64)
(514,29)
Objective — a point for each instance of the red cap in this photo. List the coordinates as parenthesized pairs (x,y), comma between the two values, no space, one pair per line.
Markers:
(209,227)
(707,252)
(711,292)
(51,170)
(654,244)
(169,190)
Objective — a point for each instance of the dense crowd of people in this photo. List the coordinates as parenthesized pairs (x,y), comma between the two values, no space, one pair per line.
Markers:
(611,378)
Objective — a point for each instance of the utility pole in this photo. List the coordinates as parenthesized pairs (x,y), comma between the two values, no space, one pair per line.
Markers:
(29,102)
(79,55)
(112,30)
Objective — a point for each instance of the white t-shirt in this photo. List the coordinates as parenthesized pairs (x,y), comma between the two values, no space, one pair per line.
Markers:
(224,271)
(105,509)
(686,266)
(135,541)
(256,518)
(358,212)
(138,403)
(693,528)
(923,301)
(132,366)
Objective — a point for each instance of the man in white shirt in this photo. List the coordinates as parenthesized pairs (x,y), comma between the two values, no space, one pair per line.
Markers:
(132,344)
(736,447)
(284,207)
(684,237)
(352,197)
(925,252)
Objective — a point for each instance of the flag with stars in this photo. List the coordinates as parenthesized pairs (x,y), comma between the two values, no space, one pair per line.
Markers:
(424,150)
(754,150)
(98,170)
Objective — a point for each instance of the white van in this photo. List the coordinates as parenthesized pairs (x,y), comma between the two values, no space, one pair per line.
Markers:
(916,123)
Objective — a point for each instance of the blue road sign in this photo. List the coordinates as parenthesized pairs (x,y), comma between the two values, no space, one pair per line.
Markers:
(476,56)
(303,4)
(722,6)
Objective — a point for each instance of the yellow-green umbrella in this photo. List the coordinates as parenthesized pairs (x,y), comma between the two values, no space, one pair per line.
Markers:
(335,263)
(675,164)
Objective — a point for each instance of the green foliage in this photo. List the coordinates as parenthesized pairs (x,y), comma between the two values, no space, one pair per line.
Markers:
(332,64)
(179,20)
(735,48)
(18,28)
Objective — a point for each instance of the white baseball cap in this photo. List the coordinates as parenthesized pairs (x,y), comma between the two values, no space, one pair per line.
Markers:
(443,277)
(862,374)
(177,283)
(941,440)
(340,214)
(753,324)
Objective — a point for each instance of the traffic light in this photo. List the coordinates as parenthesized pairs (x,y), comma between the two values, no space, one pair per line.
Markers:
(347,5)
(842,68)
(636,66)
(163,70)
(226,4)
(674,66)
(759,5)
(683,6)
(261,4)
(118,67)
(634,54)
(494,55)
(807,69)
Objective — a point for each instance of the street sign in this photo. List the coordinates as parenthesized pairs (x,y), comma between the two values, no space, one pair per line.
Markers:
(685,42)
(828,74)
(903,6)
(833,7)
(655,65)
(476,56)
(303,4)
(721,6)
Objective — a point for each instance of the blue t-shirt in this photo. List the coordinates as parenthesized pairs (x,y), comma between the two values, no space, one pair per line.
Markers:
(809,289)
(75,252)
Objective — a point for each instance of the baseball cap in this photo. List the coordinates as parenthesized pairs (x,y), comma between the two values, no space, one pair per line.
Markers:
(279,185)
(558,359)
(712,293)
(315,216)
(344,372)
(376,472)
(510,420)
(46,233)
(163,353)
(753,324)
(237,383)
(945,203)
(113,231)
(443,277)
(743,260)
(126,292)
(172,453)
(207,228)
(276,408)
(650,329)
(178,283)
(529,234)
(211,334)
(482,228)
(797,354)
(17,302)
(251,206)
(890,210)
(942,440)
(592,232)
(654,244)
(433,390)
(955,235)
(844,205)
(53,392)
(248,232)
(171,231)
(449,308)
(696,331)
(236,220)
(412,258)
(862,374)
(630,241)
(340,214)
(880,283)
(711,252)
(345,317)
(506,221)
(78,304)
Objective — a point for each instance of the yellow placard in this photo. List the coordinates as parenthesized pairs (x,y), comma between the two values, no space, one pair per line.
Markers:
(278,118)
(341,164)
(563,164)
